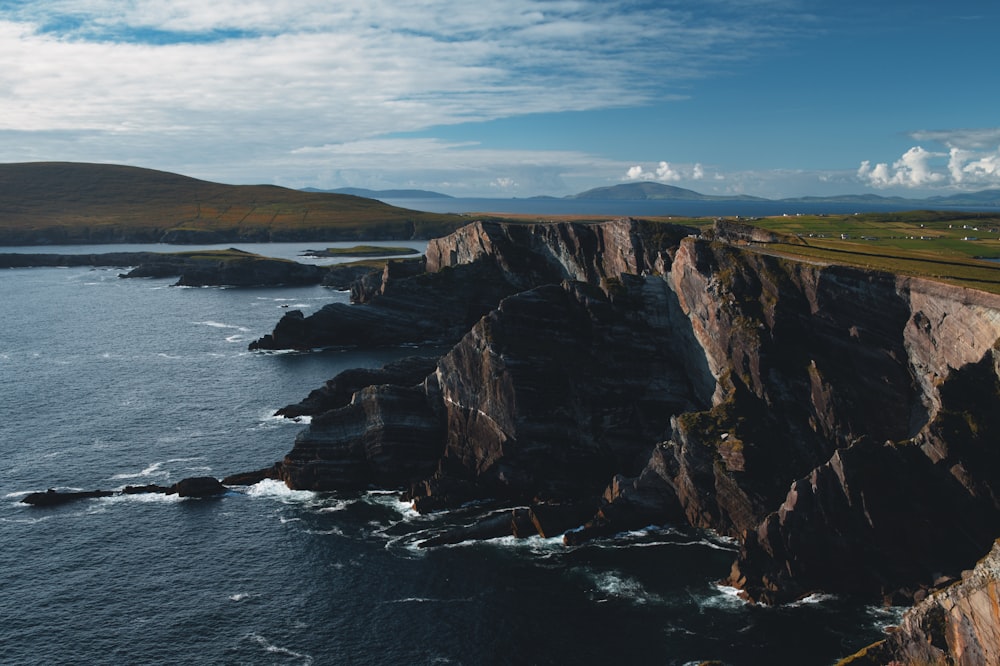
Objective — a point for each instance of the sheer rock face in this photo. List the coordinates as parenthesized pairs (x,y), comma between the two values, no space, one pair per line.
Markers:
(837,421)
(958,625)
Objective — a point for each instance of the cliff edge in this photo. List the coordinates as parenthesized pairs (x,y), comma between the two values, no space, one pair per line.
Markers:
(837,421)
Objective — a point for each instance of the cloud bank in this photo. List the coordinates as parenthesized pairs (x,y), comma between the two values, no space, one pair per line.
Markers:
(971,161)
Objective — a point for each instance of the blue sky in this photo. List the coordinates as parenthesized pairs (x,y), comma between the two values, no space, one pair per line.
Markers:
(773,98)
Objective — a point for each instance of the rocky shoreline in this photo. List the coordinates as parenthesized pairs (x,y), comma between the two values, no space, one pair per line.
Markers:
(836,421)
(839,423)
(229,268)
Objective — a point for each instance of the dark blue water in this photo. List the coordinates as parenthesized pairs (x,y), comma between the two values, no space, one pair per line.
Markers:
(107,382)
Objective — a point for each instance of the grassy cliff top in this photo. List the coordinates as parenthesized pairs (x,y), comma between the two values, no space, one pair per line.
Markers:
(954,247)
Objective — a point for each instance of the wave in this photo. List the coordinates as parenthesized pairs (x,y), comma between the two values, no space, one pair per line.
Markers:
(271,648)
(614,585)
(273,489)
(141,498)
(333,531)
(812,599)
(390,499)
(425,600)
(216,324)
(723,596)
(155,470)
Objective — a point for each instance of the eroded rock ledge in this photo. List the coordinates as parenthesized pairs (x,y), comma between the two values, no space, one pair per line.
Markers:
(838,422)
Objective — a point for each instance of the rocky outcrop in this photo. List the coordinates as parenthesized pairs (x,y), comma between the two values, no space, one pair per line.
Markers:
(231,268)
(198,486)
(467,275)
(837,421)
(957,625)
(339,391)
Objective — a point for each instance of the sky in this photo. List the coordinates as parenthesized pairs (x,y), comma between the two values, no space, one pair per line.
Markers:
(773,98)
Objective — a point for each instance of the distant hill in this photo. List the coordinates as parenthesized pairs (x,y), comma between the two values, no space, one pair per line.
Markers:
(648,191)
(65,202)
(383,194)
(982,198)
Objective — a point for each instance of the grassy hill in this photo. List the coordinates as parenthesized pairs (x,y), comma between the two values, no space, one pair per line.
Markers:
(59,202)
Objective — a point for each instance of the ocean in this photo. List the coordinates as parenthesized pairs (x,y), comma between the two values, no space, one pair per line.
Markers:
(106,382)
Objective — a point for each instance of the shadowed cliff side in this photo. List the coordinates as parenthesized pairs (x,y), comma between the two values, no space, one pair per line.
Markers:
(659,377)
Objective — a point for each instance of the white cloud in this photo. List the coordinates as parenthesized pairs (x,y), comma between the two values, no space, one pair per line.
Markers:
(220,89)
(666,173)
(972,161)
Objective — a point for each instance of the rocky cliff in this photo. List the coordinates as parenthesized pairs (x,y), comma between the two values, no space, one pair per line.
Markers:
(838,422)
(958,625)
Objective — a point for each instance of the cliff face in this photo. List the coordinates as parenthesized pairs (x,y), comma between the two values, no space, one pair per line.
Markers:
(837,421)
(958,625)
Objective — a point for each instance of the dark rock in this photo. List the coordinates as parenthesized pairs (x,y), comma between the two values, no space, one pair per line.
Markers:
(54,498)
(338,391)
(552,519)
(146,489)
(199,486)
(703,379)
(956,625)
(387,436)
(251,478)
(490,527)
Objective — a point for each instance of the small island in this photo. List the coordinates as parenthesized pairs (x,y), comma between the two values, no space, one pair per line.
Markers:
(361,251)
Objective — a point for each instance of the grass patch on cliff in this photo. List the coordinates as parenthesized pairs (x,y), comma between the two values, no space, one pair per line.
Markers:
(951,247)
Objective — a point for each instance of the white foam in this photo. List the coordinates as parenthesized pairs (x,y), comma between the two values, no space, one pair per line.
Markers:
(815,598)
(240,596)
(390,498)
(615,585)
(269,419)
(142,498)
(425,600)
(273,489)
(216,324)
(270,648)
(725,596)
(156,469)
(333,531)
(24,521)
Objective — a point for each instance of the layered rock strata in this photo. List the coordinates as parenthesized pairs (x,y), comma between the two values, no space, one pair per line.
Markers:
(837,421)
(957,625)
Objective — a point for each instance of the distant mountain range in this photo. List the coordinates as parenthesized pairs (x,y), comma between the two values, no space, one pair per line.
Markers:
(658,191)
(650,191)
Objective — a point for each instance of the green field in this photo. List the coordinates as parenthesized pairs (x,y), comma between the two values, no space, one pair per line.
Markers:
(951,247)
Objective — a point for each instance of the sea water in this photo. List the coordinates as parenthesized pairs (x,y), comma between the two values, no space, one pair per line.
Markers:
(107,382)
